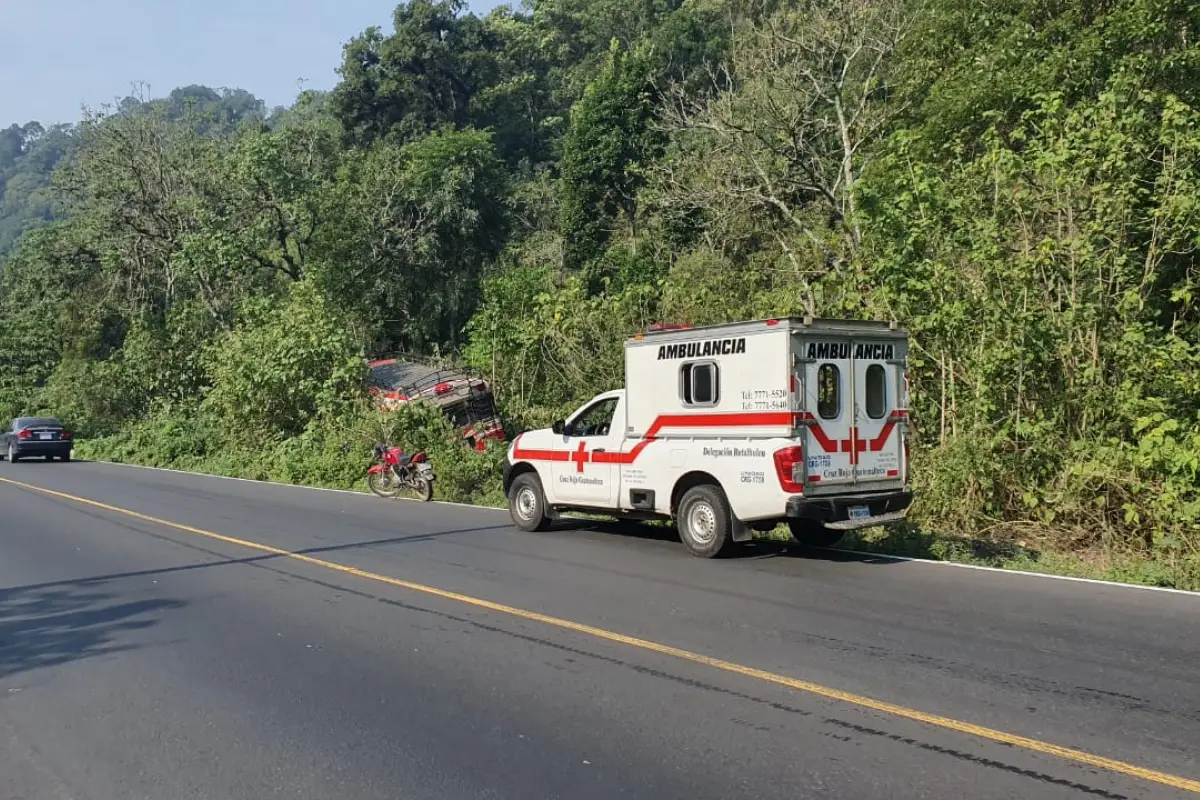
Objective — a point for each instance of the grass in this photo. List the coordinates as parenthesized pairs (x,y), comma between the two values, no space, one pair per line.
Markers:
(913,542)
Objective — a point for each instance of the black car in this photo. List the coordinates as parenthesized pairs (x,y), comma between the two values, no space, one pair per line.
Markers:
(35,436)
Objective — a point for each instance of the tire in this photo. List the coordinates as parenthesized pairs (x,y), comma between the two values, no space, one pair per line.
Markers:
(65,457)
(705,522)
(375,481)
(422,488)
(527,503)
(12,454)
(811,533)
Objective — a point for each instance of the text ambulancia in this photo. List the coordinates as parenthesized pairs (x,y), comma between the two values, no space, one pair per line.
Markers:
(732,428)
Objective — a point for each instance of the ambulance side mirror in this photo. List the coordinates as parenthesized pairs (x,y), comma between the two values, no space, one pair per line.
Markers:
(558,427)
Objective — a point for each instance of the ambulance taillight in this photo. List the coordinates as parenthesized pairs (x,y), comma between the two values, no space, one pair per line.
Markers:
(789,467)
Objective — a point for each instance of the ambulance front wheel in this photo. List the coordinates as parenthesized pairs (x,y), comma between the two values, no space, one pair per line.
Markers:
(812,533)
(704,521)
(527,503)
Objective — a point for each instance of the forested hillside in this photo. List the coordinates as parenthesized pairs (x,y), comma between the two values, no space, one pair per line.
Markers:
(1016,181)
(30,153)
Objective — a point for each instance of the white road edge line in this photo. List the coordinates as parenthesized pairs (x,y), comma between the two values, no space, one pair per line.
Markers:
(999,570)
(353,492)
(1025,573)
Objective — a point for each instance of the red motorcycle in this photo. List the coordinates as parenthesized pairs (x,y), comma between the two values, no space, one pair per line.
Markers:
(393,471)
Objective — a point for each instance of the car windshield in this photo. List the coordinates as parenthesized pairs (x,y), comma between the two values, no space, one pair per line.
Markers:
(36,422)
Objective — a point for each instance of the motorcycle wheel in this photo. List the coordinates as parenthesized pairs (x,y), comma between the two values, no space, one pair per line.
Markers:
(384,484)
(422,488)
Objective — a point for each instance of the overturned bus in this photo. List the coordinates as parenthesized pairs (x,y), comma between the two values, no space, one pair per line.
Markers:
(464,397)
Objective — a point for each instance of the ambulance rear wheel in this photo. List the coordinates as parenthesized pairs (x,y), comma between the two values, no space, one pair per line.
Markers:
(704,521)
(527,503)
(811,533)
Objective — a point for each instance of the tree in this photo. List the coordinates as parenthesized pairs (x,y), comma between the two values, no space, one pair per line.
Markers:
(142,182)
(277,181)
(29,154)
(416,225)
(585,29)
(423,76)
(42,313)
(608,143)
(790,125)
(521,103)
(442,67)
(971,65)
(221,108)
(183,215)
(285,365)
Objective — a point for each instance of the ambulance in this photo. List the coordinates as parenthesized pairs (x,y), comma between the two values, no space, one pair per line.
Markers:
(729,429)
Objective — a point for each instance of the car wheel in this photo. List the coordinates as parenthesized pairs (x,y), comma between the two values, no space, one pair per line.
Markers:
(705,521)
(65,456)
(12,454)
(527,503)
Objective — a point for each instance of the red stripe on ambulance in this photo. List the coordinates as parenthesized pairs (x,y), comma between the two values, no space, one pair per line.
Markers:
(854,445)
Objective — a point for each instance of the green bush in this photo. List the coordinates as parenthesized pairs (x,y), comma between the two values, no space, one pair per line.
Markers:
(285,365)
(332,452)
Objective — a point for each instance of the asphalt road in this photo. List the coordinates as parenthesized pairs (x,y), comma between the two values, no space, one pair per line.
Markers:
(144,660)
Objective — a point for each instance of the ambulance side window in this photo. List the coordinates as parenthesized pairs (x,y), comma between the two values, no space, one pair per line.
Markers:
(596,420)
(876,392)
(829,391)
(699,384)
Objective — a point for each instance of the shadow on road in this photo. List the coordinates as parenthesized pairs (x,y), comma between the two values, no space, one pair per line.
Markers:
(757,549)
(898,542)
(47,626)
(95,581)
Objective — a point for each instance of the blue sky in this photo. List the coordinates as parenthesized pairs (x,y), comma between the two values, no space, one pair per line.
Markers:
(57,55)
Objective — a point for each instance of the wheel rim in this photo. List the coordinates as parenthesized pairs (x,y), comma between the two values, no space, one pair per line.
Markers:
(702,522)
(526,503)
(382,484)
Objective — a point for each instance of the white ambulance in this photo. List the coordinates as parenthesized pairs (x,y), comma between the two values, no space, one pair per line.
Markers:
(733,428)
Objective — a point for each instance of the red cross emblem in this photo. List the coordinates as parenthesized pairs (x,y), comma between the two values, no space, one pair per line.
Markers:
(580,457)
(854,445)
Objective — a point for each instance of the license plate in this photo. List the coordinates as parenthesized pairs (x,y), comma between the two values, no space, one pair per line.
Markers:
(45,435)
(860,512)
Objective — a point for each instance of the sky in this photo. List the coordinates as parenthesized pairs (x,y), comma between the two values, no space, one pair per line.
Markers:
(58,55)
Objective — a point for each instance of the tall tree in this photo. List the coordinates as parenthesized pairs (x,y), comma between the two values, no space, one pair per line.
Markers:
(424,75)
(29,154)
(411,229)
(792,123)
(608,143)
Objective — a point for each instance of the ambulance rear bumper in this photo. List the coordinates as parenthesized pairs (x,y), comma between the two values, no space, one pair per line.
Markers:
(834,512)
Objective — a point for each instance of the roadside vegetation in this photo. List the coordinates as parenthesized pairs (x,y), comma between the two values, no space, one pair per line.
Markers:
(1017,182)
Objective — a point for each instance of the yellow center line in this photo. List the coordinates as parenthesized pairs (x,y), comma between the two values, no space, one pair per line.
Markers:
(1034,745)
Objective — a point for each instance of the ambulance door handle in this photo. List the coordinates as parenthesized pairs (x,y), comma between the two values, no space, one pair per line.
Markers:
(599,450)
